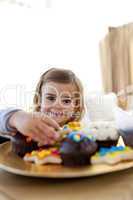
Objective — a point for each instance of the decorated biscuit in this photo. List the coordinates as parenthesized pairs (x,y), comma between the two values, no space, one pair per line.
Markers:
(112,155)
(44,156)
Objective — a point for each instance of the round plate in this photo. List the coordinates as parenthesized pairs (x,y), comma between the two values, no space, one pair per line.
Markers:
(14,164)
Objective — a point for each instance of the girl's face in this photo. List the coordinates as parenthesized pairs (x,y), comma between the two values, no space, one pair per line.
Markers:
(58,101)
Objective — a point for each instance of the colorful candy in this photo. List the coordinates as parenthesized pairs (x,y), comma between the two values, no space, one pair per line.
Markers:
(77,136)
(74,126)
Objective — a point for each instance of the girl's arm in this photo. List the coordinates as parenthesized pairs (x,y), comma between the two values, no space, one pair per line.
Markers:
(5,114)
(35,125)
(38,126)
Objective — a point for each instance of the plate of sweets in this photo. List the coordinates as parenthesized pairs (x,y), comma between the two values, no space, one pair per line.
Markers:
(85,151)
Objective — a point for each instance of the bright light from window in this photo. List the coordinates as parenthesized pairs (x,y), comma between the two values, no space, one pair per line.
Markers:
(32,40)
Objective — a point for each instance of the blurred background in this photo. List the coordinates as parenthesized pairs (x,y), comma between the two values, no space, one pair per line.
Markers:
(38,34)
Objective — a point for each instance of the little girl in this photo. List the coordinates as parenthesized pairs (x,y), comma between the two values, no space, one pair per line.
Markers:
(58,99)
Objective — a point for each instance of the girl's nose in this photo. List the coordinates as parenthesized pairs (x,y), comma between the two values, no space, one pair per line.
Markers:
(58,103)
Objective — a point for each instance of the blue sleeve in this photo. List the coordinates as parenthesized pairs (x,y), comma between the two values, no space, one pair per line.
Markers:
(5,115)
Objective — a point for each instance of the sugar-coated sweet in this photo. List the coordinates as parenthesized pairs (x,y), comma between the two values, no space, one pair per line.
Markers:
(112,155)
(44,156)
(22,145)
(105,133)
(76,149)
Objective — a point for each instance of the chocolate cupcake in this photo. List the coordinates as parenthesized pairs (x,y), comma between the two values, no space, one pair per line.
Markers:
(22,145)
(105,133)
(3,139)
(76,149)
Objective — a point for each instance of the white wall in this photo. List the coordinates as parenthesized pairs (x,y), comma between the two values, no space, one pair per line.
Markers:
(67,34)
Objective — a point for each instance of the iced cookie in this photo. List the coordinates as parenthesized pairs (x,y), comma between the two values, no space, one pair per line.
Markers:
(44,156)
(112,155)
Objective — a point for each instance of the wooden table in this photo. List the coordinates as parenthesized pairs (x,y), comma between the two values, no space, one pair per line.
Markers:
(118,185)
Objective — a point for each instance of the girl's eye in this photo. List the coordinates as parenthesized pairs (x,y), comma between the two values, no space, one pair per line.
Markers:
(66,101)
(50,98)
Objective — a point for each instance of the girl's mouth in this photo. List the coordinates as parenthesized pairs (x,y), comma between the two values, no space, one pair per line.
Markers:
(55,114)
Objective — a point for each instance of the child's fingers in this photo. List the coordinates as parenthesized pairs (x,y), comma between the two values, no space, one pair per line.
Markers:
(47,142)
(36,139)
(48,131)
(50,122)
(38,136)
(40,140)
(44,134)
(55,134)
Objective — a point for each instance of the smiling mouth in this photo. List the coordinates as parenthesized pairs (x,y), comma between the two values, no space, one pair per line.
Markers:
(55,114)
(59,114)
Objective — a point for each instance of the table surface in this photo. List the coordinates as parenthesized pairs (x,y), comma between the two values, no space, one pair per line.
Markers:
(117,185)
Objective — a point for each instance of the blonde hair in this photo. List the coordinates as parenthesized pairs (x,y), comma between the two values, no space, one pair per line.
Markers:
(59,76)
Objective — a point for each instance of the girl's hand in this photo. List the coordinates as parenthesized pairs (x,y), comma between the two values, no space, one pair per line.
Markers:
(38,126)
